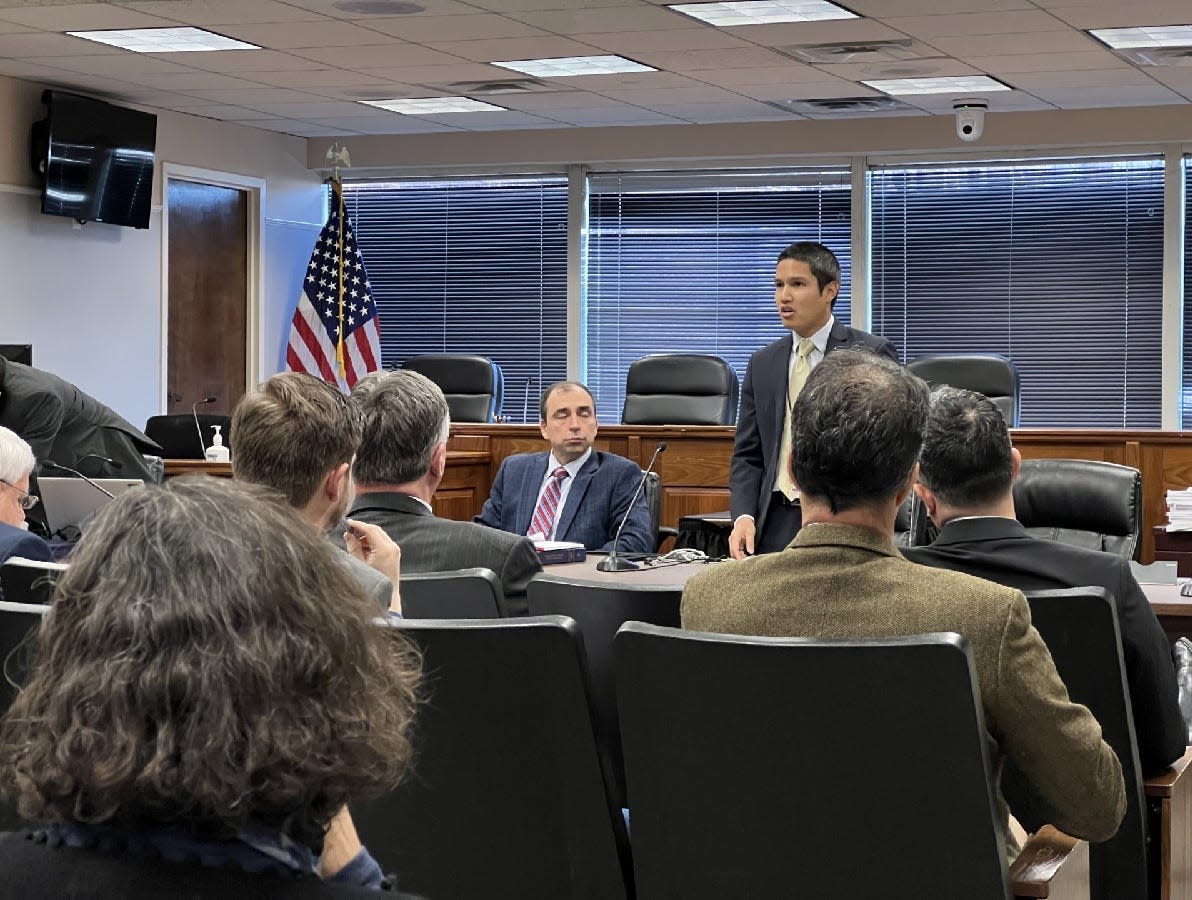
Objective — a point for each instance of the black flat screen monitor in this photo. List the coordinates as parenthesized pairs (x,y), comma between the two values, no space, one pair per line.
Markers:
(96,160)
(22,353)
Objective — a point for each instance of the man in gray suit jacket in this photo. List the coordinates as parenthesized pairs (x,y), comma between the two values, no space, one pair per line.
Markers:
(400,463)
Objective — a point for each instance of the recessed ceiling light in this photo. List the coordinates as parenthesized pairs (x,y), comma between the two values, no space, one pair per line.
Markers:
(763,12)
(951,84)
(429,106)
(1144,36)
(164,40)
(567,66)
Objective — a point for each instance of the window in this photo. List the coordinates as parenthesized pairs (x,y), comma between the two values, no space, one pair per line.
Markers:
(1056,265)
(470,266)
(684,263)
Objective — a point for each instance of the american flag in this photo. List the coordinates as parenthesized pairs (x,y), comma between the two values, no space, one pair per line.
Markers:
(335,334)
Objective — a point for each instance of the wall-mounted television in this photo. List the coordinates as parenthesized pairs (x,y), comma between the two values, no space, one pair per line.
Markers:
(95,159)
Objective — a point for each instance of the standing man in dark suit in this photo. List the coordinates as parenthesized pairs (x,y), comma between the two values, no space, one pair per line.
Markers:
(764,501)
(398,468)
(572,493)
(63,424)
(16,465)
(966,472)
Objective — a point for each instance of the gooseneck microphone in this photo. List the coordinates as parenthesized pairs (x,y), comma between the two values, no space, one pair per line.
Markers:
(106,460)
(99,487)
(614,563)
(198,430)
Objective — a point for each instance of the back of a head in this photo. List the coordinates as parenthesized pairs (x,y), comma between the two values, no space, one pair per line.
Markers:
(290,432)
(16,457)
(966,458)
(404,417)
(208,662)
(856,429)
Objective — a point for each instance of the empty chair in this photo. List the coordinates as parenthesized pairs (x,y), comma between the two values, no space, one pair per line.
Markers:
(473,385)
(18,629)
(988,374)
(179,438)
(777,767)
(460,594)
(1082,502)
(507,798)
(600,608)
(681,389)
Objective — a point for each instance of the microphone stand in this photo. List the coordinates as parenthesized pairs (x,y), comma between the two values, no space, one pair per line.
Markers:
(198,429)
(99,487)
(614,563)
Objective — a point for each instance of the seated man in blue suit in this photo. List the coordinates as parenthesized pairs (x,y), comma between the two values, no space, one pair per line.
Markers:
(572,493)
(16,464)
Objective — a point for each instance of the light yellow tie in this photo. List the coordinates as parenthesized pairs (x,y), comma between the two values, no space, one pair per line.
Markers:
(798,377)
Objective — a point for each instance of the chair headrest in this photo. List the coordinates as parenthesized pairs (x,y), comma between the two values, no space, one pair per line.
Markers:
(456,374)
(1078,495)
(988,374)
(680,373)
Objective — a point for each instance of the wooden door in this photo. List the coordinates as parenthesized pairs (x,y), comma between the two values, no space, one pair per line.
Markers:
(207,342)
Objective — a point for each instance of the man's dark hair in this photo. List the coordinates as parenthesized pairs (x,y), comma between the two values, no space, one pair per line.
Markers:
(562,386)
(405,417)
(966,456)
(820,260)
(856,429)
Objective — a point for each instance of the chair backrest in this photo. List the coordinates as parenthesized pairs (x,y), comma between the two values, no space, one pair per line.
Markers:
(1080,628)
(600,608)
(459,594)
(653,491)
(776,767)
(507,797)
(18,629)
(681,389)
(27,582)
(912,526)
(178,437)
(473,385)
(988,374)
(1097,505)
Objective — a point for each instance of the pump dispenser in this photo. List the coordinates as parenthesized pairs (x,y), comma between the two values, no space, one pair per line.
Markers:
(217,452)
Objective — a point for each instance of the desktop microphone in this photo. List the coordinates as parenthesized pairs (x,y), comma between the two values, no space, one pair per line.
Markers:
(78,474)
(612,562)
(114,463)
(194,412)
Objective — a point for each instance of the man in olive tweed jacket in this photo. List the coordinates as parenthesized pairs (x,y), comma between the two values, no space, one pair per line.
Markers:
(857,427)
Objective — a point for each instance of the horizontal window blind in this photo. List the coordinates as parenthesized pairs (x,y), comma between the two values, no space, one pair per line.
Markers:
(1056,265)
(1186,377)
(684,263)
(470,266)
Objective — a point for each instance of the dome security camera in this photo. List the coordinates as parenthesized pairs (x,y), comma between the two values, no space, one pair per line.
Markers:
(970,118)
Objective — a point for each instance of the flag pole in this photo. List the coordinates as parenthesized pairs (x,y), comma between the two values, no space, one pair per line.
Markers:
(338,191)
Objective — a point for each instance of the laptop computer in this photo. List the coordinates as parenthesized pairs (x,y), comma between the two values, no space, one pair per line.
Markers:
(72,501)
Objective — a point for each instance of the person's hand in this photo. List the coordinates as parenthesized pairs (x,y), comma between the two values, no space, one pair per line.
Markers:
(340,844)
(370,544)
(740,540)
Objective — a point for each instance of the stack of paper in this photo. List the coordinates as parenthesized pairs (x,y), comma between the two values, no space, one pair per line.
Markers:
(1179,510)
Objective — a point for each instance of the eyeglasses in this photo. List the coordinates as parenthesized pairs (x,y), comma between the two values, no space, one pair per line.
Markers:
(27,501)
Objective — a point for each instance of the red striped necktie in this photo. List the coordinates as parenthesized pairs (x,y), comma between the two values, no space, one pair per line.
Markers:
(544,515)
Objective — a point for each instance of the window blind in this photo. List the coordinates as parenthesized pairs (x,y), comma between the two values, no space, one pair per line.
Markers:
(684,263)
(1056,265)
(1186,374)
(470,266)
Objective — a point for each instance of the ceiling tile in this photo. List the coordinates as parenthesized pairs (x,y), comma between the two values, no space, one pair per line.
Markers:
(200,81)
(886,8)
(603,20)
(221,12)
(792,33)
(30,70)
(791,72)
(740,111)
(1132,95)
(1123,15)
(1021,21)
(460,71)
(285,126)
(391,124)
(245,61)
(377,56)
(82,17)
(531,5)
(704,94)
(1048,62)
(425,29)
(219,111)
(1089,78)
(253,96)
(809,90)
(18,46)
(316,109)
(1005,101)
(487,121)
(1011,44)
(319,78)
(291,35)
(911,68)
(631,42)
(545,102)
(629,81)
(602,116)
(515,48)
(429,8)
(705,60)
(128,65)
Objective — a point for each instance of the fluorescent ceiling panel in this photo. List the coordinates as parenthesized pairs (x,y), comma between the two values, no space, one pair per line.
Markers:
(951,84)
(1144,36)
(430,106)
(568,66)
(164,40)
(763,12)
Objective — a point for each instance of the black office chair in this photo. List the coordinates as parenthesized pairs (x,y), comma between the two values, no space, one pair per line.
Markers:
(506,797)
(988,374)
(179,439)
(1097,505)
(777,767)
(681,389)
(27,582)
(653,492)
(912,526)
(18,632)
(600,608)
(1080,628)
(460,594)
(473,385)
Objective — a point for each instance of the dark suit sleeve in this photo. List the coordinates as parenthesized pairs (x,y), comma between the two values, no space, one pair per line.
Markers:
(521,565)
(748,464)
(1150,672)
(637,536)
(31,547)
(37,418)
(887,349)
(491,514)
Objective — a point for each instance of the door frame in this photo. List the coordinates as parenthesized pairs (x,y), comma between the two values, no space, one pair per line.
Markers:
(254,189)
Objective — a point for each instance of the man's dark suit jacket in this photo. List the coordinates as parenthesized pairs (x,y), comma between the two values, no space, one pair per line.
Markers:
(19,542)
(755,461)
(63,424)
(1000,550)
(431,544)
(595,504)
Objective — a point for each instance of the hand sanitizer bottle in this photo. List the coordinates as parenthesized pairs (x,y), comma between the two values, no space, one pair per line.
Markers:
(217,452)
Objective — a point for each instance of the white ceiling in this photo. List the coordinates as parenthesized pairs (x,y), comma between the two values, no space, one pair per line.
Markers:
(319,59)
